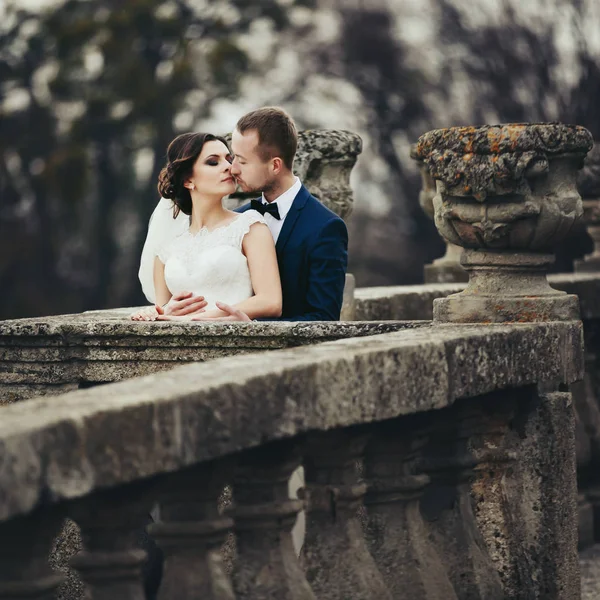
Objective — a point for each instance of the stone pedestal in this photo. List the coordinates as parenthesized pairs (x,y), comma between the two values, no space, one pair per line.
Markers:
(508,195)
(506,287)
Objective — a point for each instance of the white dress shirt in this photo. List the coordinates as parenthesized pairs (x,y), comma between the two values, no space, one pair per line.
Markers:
(284,203)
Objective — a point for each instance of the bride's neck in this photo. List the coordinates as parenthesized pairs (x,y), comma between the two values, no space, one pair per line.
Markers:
(206,212)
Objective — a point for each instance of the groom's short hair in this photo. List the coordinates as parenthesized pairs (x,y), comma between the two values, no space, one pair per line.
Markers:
(277,135)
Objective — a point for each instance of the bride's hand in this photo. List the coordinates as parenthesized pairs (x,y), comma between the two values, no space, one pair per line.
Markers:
(150,313)
(184,304)
(225,313)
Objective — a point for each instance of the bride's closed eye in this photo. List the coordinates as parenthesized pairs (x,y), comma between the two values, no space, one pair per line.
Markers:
(214,161)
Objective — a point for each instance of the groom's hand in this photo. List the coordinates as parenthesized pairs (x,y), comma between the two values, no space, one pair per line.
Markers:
(231,314)
(184,304)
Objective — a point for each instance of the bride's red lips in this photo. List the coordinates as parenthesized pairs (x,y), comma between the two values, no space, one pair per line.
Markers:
(228,179)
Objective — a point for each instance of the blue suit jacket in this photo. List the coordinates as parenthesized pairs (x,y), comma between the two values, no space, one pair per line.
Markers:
(312,252)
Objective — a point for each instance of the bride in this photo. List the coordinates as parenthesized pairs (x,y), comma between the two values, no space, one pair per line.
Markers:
(216,257)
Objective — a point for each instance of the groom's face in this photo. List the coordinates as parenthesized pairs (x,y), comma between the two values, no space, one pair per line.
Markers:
(248,168)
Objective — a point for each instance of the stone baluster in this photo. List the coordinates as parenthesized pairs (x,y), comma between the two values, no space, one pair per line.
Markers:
(112,561)
(448,510)
(191,531)
(396,534)
(266,566)
(336,558)
(446,269)
(25,544)
(486,423)
(589,188)
(506,194)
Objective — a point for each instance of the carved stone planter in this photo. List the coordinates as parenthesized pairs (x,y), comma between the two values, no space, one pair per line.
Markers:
(507,194)
(446,269)
(589,188)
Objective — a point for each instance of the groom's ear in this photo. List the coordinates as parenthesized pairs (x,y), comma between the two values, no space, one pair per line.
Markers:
(277,165)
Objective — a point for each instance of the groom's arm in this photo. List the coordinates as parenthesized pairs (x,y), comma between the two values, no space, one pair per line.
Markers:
(327,263)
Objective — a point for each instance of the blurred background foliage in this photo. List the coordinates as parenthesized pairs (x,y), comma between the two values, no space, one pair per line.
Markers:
(92,91)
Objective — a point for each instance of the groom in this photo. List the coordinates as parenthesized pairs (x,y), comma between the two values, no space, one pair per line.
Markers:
(310,240)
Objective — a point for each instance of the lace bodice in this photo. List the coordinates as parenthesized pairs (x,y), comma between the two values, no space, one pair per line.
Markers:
(211,263)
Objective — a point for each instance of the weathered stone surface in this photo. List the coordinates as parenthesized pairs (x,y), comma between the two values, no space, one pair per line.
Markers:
(416,301)
(323,163)
(45,356)
(508,195)
(111,561)
(550,502)
(66,446)
(335,556)
(413,301)
(266,565)
(525,491)
(497,159)
(99,328)
(448,508)
(190,533)
(396,533)
(506,287)
(348,312)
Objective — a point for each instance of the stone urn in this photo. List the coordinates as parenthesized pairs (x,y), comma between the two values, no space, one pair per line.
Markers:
(589,188)
(507,194)
(446,269)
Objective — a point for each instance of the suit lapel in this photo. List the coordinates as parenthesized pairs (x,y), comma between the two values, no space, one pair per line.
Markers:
(291,218)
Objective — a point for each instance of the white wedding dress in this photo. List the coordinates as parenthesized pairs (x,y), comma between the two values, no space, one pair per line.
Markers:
(207,263)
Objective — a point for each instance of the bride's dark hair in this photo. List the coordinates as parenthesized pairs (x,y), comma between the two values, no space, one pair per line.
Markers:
(182,153)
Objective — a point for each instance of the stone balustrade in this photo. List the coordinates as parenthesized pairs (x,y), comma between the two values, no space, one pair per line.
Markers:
(439,456)
(52,355)
(434,415)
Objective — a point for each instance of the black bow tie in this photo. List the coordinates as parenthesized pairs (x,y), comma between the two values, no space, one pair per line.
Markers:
(270,208)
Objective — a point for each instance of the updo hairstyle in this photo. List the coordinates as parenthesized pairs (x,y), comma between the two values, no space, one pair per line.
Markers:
(182,154)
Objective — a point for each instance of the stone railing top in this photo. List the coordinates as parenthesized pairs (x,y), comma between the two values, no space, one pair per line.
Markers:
(68,446)
(115,323)
(497,159)
(416,301)
(588,181)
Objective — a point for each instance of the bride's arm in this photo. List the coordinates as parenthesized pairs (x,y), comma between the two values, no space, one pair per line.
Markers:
(259,249)
(161,291)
